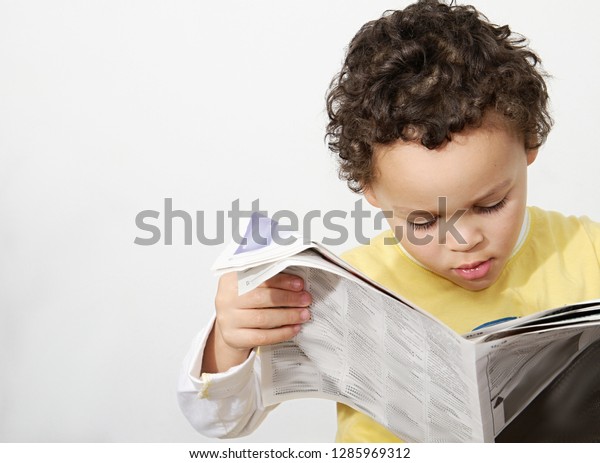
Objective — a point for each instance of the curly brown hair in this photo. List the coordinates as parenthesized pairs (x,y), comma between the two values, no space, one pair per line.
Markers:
(424,73)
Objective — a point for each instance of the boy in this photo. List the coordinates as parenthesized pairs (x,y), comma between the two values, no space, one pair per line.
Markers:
(435,117)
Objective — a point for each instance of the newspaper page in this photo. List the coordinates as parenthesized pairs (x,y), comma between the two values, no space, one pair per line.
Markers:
(515,367)
(374,353)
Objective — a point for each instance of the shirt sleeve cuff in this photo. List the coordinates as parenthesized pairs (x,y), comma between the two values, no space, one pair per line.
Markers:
(217,385)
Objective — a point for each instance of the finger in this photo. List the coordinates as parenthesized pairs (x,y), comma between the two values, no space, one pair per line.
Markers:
(257,337)
(272,297)
(271,318)
(284,281)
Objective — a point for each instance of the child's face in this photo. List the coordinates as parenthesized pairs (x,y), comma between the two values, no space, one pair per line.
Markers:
(482,172)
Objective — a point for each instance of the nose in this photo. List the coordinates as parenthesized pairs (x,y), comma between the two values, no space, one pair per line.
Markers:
(464,235)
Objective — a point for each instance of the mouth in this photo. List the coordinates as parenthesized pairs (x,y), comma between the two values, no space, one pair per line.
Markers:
(474,270)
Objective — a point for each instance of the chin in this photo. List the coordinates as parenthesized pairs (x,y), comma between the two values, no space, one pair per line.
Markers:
(476,285)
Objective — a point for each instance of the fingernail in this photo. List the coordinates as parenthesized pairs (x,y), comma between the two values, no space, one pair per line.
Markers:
(305,315)
(305,298)
(296,284)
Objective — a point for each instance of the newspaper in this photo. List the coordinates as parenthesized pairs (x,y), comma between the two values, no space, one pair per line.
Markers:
(382,355)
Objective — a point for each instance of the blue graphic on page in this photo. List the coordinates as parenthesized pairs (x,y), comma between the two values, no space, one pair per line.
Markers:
(258,235)
(493,322)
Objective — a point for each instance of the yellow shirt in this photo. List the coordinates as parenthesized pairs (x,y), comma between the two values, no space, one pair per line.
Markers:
(557,264)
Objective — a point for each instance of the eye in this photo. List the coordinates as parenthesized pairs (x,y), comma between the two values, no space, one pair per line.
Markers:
(422,226)
(421,220)
(489,209)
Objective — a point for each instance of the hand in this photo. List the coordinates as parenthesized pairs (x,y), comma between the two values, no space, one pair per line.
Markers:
(270,313)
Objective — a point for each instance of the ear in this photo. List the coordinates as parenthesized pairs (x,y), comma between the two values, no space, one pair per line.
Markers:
(531,155)
(370,197)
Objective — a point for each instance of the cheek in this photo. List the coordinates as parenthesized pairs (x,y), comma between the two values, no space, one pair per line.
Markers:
(426,251)
(421,244)
(509,228)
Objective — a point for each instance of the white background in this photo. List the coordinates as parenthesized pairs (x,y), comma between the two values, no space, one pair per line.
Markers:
(108,107)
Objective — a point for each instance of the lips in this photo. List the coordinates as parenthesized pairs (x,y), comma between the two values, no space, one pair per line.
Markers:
(474,270)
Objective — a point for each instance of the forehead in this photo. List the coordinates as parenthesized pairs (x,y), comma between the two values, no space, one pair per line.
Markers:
(473,161)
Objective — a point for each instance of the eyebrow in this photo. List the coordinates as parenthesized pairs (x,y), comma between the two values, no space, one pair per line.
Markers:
(494,190)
